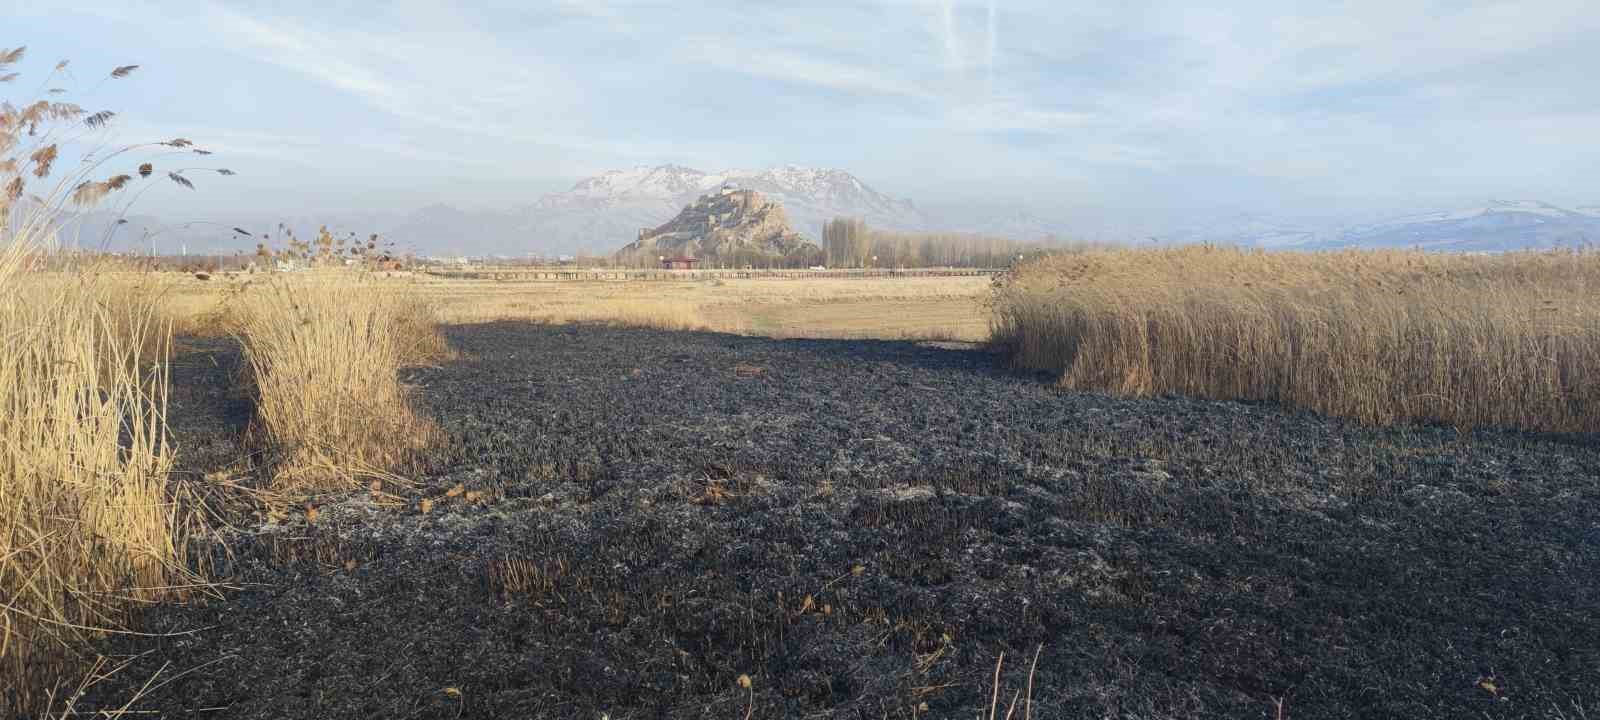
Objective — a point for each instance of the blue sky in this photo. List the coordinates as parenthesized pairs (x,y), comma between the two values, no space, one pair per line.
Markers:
(1105,109)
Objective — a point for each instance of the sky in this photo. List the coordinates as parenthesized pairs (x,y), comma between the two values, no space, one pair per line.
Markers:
(1111,110)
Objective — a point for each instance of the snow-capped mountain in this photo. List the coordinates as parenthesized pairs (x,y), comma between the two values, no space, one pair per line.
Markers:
(663,183)
(609,209)
(813,196)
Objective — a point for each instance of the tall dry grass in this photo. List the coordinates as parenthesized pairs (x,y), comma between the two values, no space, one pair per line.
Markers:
(1384,337)
(88,525)
(89,529)
(325,352)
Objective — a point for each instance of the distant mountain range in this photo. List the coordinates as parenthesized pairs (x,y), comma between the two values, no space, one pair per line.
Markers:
(602,213)
(1497,226)
(598,214)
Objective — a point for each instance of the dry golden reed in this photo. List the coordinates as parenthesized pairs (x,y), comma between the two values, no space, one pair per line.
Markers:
(89,528)
(325,352)
(1381,336)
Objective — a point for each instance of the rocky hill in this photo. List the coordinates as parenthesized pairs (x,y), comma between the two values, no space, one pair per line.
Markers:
(729,224)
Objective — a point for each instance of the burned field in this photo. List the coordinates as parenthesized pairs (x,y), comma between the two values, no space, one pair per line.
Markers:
(635,523)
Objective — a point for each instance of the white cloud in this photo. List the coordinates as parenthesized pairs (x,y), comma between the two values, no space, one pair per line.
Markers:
(795,67)
(315,54)
(1000,116)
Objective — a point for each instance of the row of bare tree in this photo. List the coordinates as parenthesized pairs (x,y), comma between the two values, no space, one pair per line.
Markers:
(849,242)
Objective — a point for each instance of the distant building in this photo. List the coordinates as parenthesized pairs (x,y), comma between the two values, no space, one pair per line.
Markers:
(679,263)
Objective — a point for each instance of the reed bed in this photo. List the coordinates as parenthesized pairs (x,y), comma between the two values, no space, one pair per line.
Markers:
(324,353)
(1384,337)
(89,528)
(90,525)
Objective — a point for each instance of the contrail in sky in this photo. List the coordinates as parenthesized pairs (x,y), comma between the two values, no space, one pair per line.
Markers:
(952,54)
(993,41)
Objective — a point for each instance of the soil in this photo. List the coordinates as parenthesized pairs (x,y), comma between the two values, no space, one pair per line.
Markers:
(859,529)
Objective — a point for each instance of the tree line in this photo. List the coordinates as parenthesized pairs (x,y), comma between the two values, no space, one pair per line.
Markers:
(849,242)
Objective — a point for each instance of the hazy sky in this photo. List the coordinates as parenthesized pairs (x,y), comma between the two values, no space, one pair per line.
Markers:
(1114,108)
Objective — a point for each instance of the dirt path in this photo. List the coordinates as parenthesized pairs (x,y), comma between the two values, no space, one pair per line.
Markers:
(861,527)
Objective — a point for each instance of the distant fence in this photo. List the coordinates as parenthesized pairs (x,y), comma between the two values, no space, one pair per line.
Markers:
(553,274)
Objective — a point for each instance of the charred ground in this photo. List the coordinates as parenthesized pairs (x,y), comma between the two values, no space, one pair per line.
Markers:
(862,527)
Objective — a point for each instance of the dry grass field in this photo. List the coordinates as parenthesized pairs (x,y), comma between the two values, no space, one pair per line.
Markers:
(935,307)
(944,308)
